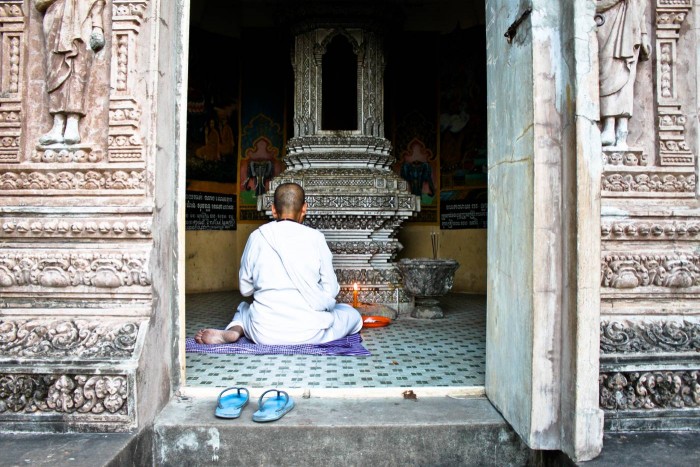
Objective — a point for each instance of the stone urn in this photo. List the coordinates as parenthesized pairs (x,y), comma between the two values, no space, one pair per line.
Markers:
(427,280)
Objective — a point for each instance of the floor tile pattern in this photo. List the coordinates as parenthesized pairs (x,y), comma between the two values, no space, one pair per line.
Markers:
(407,353)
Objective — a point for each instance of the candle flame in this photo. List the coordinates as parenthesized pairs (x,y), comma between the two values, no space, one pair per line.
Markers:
(355,286)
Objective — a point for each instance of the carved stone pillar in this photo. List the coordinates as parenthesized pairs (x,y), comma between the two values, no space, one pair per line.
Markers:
(650,232)
(76,228)
(354,197)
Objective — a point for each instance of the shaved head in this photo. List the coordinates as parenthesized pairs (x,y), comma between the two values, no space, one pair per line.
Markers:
(289,199)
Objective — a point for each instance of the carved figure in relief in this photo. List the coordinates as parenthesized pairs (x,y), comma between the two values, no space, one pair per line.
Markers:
(622,42)
(73,33)
(288,269)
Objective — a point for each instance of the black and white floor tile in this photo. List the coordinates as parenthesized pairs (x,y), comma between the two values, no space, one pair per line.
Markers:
(447,352)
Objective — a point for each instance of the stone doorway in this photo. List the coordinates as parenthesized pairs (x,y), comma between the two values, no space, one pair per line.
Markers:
(415,237)
(542,333)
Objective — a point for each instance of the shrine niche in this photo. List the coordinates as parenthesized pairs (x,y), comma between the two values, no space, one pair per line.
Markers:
(650,270)
(353,195)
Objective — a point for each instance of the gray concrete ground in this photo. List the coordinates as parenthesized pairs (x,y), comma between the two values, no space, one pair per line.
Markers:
(336,432)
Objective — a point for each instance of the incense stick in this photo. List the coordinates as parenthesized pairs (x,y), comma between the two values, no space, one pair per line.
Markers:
(434,241)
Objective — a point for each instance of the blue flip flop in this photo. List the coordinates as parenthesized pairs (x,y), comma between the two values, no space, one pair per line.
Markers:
(273,408)
(230,405)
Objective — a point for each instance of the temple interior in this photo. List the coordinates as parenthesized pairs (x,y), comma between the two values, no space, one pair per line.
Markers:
(435,119)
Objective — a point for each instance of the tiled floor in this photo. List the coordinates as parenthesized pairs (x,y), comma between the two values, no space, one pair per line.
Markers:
(446,352)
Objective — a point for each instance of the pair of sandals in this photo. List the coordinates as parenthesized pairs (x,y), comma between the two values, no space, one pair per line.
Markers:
(232,400)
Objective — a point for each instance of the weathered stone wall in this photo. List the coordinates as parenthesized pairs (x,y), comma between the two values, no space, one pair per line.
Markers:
(650,232)
(80,310)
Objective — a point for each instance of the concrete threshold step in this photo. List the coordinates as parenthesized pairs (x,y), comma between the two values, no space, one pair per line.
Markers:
(75,449)
(340,431)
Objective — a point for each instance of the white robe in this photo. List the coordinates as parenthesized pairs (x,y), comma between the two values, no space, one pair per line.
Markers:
(288,269)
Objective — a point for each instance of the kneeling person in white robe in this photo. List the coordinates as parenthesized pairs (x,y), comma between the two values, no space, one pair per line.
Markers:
(287,268)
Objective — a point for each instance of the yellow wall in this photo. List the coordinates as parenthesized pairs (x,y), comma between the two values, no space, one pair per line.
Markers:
(213,257)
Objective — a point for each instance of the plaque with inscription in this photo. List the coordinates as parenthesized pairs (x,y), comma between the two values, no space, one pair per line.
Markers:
(210,211)
(464,209)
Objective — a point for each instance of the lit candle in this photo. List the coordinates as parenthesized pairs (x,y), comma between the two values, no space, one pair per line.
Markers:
(354,296)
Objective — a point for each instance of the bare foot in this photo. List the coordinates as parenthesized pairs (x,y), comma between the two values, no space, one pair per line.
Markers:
(218,336)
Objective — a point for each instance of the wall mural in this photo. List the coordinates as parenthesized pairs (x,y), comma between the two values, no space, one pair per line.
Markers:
(412,90)
(212,132)
(439,132)
(265,78)
(436,98)
(463,158)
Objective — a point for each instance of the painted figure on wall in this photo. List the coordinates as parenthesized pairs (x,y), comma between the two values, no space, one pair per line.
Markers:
(227,148)
(622,42)
(259,166)
(212,143)
(259,173)
(73,33)
(417,170)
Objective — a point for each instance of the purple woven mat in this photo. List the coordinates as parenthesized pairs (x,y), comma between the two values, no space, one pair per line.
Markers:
(350,345)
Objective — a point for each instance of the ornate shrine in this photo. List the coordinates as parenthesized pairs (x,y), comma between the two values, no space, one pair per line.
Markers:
(354,197)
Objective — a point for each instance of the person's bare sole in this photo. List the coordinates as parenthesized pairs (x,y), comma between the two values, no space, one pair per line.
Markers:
(216,336)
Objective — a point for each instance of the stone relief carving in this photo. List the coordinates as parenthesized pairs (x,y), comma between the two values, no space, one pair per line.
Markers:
(622,41)
(80,154)
(368,276)
(649,390)
(628,157)
(627,271)
(12,24)
(368,294)
(650,230)
(671,53)
(105,227)
(305,105)
(358,247)
(652,182)
(125,143)
(375,143)
(321,201)
(61,270)
(73,33)
(346,182)
(372,70)
(73,180)
(346,222)
(81,394)
(68,338)
(649,336)
(673,148)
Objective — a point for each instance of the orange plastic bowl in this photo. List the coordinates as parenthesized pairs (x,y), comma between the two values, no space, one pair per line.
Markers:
(375,321)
